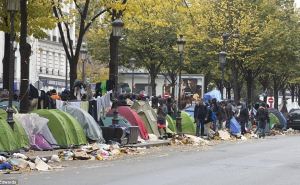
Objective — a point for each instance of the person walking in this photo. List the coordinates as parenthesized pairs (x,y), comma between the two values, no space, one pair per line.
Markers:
(262,116)
(200,115)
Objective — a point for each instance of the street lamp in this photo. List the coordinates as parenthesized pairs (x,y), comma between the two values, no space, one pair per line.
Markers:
(181,43)
(132,64)
(12,7)
(83,56)
(117,28)
(222,60)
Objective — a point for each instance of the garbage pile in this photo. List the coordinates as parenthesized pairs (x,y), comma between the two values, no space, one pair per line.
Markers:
(291,131)
(19,163)
(96,152)
(188,140)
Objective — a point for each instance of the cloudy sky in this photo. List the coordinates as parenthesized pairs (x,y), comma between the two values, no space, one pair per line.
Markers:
(297,3)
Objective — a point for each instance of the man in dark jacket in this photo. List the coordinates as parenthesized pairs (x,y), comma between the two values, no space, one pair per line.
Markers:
(262,116)
(200,115)
(243,117)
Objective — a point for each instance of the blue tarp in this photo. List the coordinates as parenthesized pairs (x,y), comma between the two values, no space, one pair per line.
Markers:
(235,127)
(211,95)
(190,110)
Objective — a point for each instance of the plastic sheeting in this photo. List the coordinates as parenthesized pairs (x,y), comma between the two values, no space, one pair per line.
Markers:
(87,122)
(235,127)
(211,95)
(37,127)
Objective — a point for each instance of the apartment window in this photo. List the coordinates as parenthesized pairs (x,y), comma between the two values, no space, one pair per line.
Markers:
(47,71)
(54,38)
(41,69)
(59,40)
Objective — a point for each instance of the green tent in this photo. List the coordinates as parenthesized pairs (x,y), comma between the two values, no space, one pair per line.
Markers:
(171,123)
(75,126)
(148,115)
(187,124)
(8,141)
(19,132)
(273,120)
(66,131)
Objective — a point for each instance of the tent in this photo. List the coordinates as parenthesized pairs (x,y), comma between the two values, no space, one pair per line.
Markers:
(279,115)
(133,119)
(190,110)
(107,121)
(171,123)
(8,141)
(273,120)
(211,95)
(66,131)
(37,130)
(148,115)
(20,134)
(187,124)
(87,122)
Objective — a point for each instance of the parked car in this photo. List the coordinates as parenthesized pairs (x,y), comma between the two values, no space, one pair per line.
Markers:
(294,119)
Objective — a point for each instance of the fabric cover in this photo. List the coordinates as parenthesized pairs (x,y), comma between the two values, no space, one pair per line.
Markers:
(90,127)
(235,127)
(211,95)
(148,115)
(133,119)
(35,125)
(187,124)
(8,140)
(279,115)
(171,123)
(107,121)
(66,131)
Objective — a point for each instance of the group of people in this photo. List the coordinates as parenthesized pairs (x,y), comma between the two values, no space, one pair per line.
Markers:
(221,113)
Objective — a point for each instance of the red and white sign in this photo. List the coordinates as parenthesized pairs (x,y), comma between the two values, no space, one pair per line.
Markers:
(270,101)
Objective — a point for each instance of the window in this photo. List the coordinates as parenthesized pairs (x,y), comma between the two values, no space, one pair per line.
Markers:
(54,38)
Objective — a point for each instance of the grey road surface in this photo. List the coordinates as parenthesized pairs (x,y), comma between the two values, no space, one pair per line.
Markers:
(274,161)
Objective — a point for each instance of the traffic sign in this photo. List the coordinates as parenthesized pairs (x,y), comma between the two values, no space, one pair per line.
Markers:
(270,100)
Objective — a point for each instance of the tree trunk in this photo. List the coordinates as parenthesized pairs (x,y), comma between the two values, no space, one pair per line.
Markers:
(293,92)
(5,61)
(283,94)
(73,73)
(276,89)
(250,82)
(206,82)
(228,93)
(25,52)
(153,84)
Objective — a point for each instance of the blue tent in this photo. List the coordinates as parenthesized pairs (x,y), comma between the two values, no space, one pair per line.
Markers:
(211,95)
(190,110)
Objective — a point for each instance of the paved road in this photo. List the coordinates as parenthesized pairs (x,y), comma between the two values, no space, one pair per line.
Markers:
(275,161)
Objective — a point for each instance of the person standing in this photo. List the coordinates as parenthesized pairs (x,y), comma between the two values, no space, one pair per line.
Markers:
(200,115)
(243,117)
(262,116)
(162,112)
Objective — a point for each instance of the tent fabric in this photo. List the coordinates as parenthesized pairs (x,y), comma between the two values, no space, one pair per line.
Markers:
(273,120)
(133,119)
(34,125)
(8,141)
(40,143)
(171,123)
(190,110)
(211,95)
(90,127)
(279,115)
(62,129)
(107,121)
(148,115)
(75,126)
(20,134)
(187,124)
(235,127)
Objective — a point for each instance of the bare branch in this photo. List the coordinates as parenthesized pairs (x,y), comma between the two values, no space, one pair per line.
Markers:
(78,7)
(94,18)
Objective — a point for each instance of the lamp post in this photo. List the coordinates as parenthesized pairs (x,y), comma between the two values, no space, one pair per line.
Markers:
(83,56)
(180,42)
(132,64)
(222,60)
(117,28)
(12,7)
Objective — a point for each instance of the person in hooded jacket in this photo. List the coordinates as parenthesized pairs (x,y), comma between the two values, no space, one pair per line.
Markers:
(243,117)
(200,116)
(262,116)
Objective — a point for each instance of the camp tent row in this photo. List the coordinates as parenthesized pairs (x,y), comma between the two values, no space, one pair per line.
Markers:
(71,126)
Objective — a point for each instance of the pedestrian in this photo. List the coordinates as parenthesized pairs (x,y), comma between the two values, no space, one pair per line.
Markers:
(200,116)
(262,116)
(162,112)
(216,112)
(243,117)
